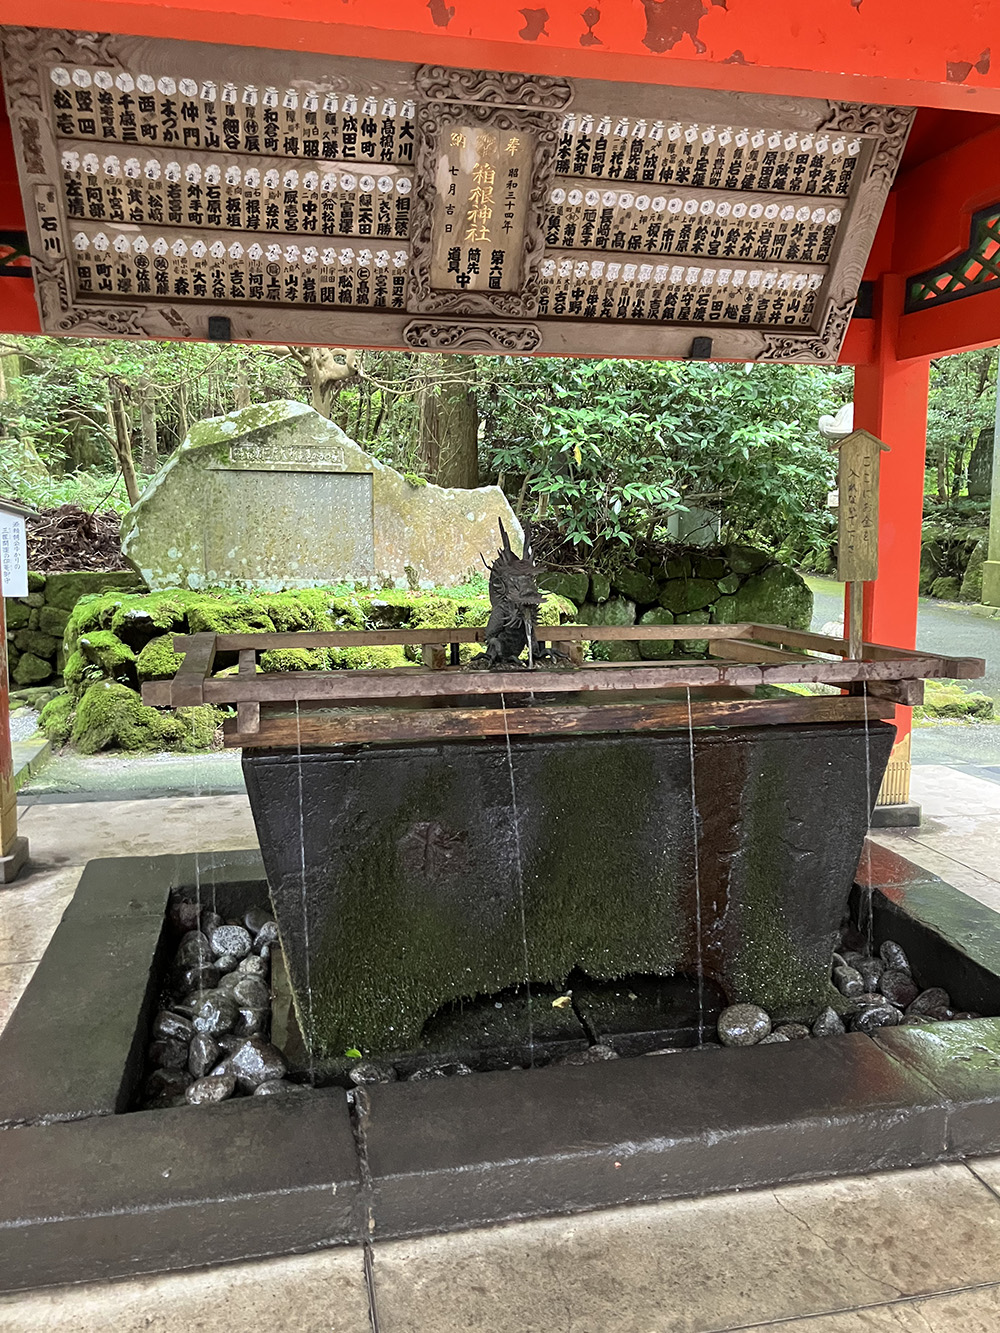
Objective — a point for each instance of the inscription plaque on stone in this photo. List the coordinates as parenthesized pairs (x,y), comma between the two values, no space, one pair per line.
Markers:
(464,210)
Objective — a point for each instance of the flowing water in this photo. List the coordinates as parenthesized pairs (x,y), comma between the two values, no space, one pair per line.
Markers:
(520,881)
(310,1036)
(866,904)
(697,879)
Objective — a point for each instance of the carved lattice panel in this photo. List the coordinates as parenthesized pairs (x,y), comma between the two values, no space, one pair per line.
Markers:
(168,183)
(975,270)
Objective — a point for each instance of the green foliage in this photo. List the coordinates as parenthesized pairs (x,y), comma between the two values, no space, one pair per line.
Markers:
(614,447)
(960,411)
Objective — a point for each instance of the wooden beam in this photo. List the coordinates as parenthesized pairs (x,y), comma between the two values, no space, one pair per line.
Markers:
(951,668)
(188,685)
(422,683)
(350,638)
(388,726)
(248,714)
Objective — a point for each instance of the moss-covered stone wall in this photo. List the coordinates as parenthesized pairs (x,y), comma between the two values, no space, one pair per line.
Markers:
(36,623)
(721,585)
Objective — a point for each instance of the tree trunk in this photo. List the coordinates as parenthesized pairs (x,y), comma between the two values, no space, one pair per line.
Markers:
(122,438)
(449,424)
(242,392)
(182,411)
(148,460)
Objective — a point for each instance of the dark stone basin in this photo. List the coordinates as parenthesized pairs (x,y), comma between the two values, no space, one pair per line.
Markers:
(402,880)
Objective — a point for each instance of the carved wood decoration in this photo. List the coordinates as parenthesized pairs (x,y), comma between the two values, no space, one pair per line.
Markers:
(313,199)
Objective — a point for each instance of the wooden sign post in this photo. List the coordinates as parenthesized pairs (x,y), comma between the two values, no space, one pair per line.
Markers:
(857,549)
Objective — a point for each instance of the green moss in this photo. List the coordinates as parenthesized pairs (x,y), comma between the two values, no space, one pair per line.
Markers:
(948,699)
(112,715)
(368,659)
(157,660)
(79,672)
(228,615)
(56,718)
(106,650)
(556,610)
(295,659)
(414,479)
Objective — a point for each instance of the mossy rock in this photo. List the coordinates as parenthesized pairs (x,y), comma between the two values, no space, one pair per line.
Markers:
(949,699)
(16,612)
(932,564)
(116,659)
(600,587)
(683,595)
(615,611)
(656,648)
(65,590)
(56,718)
(295,659)
(216,615)
(79,672)
(36,581)
(710,567)
(31,670)
(729,584)
(775,596)
(53,620)
(34,641)
(947,588)
(157,660)
(111,715)
(972,580)
(744,559)
(572,584)
(307,609)
(369,658)
(556,610)
(692,647)
(635,585)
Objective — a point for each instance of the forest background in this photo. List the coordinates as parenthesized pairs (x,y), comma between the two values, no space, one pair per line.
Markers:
(604,451)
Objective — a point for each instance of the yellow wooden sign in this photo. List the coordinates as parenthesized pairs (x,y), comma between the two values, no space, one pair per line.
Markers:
(857,476)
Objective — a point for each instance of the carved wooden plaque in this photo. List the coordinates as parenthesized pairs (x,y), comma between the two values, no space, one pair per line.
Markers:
(353,202)
(858,467)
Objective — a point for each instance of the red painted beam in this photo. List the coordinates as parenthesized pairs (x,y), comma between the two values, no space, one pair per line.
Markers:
(906,52)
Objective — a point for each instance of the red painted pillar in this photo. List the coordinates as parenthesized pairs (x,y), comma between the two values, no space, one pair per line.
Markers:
(890,400)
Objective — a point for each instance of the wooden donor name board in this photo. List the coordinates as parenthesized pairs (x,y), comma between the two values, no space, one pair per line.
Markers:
(858,465)
(312,199)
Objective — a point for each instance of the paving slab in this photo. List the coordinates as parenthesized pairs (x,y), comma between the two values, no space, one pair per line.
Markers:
(77,832)
(972,1311)
(702,1265)
(313,1293)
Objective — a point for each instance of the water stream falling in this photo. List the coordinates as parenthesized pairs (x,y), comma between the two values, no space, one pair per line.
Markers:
(520,883)
(697,878)
(310,1035)
(866,855)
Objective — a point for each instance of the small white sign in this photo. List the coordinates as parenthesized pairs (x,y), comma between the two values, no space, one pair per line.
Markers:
(13,554)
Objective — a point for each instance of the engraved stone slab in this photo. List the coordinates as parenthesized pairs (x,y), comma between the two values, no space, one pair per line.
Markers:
(277,497)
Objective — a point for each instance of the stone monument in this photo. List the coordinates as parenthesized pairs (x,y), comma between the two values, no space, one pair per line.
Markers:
(276,497)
